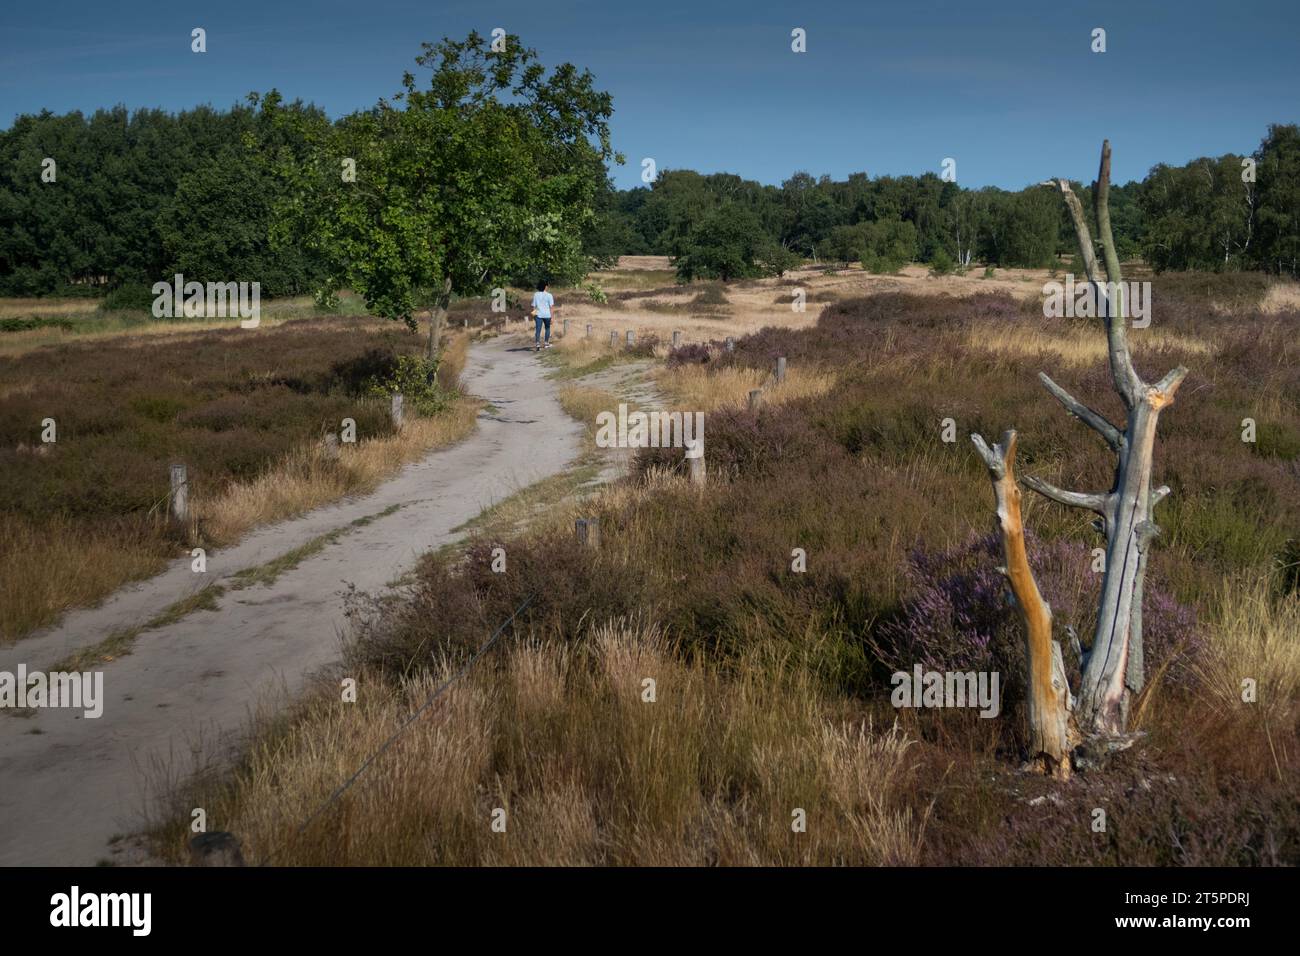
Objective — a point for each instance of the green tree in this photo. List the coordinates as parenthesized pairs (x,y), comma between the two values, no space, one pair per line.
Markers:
(490,172)
(727,244)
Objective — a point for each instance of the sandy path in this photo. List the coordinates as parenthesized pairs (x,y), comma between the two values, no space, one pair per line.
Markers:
(69,784)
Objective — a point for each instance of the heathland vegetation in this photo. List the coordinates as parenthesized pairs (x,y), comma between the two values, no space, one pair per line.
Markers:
(769,693)
(772,686)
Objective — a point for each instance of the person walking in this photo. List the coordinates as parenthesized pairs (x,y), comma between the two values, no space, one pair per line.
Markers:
(543,306)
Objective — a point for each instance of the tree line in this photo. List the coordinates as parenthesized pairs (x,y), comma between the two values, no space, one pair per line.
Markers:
(1234,212)
(91,203)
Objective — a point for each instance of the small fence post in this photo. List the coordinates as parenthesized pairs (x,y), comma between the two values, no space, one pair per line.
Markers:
(485,321)
(588,532)
(677,338)
(589,331)
(631,338)
(564,328)
(697,468)
(613,340)
(180,493)
(780,370)
(731,344)
(755,399)
(331,447)
(396,410)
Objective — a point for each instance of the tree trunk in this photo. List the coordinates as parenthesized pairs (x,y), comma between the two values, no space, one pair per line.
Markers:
(437,315)
(1113,671)
(1051,732)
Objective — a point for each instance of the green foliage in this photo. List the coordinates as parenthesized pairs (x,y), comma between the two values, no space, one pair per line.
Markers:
(132,296)
(728,244)
(941,264)
(595,293)
(138,197)
(415,378)
(487,174)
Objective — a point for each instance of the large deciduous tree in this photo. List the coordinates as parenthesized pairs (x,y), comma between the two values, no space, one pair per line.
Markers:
(489,172)
(1113,666)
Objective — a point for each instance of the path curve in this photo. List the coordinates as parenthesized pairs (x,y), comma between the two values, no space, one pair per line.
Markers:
(69,784)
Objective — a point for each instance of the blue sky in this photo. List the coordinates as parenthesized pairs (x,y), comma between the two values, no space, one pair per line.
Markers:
(1010,90)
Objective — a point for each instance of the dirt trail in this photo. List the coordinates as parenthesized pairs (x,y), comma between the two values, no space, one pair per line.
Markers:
(69,784)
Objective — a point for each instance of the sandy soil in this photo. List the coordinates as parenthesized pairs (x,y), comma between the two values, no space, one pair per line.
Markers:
(70,784)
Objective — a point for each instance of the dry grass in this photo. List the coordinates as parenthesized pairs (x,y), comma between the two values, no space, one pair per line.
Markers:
(50,568)
(1257,637)
(1078,345)
(587,770)
(698,388)
(306,479)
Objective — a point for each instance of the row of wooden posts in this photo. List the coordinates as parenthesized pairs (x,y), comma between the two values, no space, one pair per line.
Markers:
(730,343)
(180,496)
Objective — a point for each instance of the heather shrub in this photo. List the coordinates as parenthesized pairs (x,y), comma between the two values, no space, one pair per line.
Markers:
(959,615)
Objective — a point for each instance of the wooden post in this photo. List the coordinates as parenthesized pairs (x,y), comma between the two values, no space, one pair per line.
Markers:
(731,344)
(677,339)
(697,468)
(588,330)
(485,321)
(588,532)
(465,322)
(631,338)
(396,411)
(331,447)
(564,328)
(780,370)
(755,399)
(180,493)
(613,339)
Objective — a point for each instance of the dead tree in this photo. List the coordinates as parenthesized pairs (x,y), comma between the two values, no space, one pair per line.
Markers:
(1051,732)
(1113,666)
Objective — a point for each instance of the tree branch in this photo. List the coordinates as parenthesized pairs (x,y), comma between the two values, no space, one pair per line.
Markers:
(1080,227)
(1073,499)
(1127,382)
(1094,420)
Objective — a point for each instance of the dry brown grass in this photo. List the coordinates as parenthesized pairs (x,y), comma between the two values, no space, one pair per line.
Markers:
(1256,637)
(1078,345)
(587,770)
(698,388)
(306,479)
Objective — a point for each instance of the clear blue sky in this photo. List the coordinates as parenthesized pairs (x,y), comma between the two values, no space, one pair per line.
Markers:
(1010,90)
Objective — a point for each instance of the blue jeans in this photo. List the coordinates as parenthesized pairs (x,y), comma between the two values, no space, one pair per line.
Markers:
(537,330)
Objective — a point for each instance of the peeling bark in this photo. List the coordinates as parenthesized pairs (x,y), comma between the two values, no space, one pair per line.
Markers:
(1051,735)
(1114,666)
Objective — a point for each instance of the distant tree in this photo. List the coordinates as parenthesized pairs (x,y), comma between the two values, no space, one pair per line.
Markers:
(1278,183)
(491,172)
(727,244)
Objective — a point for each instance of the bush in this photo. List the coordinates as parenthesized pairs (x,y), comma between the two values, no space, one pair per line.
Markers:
(941,264)
(415,378)
(130,296)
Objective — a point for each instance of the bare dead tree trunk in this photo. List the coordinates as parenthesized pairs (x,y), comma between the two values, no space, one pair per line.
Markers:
(1051,732)
(1113,670)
